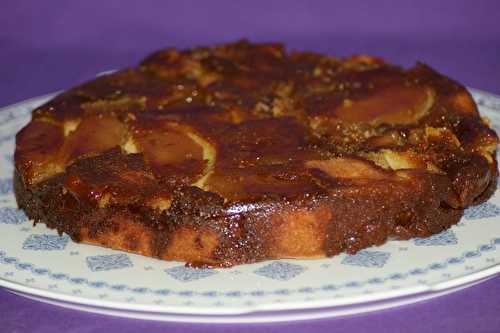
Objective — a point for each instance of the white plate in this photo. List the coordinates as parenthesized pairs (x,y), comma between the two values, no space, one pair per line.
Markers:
(39,264)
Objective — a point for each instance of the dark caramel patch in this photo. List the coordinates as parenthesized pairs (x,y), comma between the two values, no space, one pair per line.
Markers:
(263,142)
(110,178)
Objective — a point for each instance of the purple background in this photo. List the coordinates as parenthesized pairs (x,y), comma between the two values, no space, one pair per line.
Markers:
(53,45)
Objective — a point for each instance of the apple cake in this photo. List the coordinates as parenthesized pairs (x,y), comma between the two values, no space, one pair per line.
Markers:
(243,152)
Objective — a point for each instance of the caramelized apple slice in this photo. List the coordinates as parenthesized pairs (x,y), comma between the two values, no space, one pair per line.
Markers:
(93,135)
(37,145)
(171,150)
(349,168)
(272,181)
(396,105)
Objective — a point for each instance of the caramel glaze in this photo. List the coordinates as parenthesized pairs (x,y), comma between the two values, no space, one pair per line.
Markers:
(242,152)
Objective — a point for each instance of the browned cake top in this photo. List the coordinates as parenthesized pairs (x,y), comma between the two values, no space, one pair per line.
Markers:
(247,125)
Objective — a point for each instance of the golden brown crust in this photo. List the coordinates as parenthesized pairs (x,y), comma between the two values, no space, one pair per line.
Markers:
(242,152)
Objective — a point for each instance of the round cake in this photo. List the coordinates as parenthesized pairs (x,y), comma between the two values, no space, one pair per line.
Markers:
(243,152)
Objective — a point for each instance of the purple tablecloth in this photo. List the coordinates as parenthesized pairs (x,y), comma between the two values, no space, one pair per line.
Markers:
(49,46)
